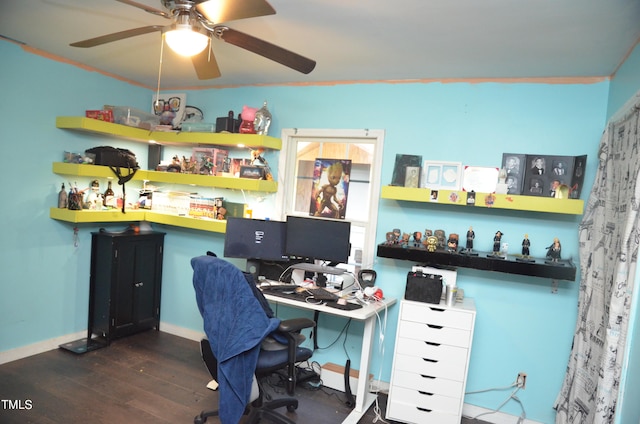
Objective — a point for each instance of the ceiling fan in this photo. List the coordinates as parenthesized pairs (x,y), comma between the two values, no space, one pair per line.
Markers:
(196,22)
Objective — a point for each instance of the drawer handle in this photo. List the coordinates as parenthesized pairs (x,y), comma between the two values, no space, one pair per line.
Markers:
(432,343)
(437,327)
(427,376)
(430,360)
(425,393)
(423,409)
(436,309)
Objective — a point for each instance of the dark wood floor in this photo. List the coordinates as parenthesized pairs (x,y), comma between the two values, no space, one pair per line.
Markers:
(151,377)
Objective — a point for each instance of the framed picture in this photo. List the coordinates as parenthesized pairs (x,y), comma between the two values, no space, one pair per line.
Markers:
(441,175)
(400,169)
(330,188)
(412,176)
(480,179)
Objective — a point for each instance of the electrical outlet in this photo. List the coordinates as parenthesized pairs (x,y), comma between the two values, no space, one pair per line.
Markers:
(521,380)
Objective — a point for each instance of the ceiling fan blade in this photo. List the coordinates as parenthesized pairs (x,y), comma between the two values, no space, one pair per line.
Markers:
(146,8)
(266,49)
(218,11)
(116,36)
(205,64)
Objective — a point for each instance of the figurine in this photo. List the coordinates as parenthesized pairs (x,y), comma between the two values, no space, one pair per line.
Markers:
(442,239)
(452,243)
(405,239)
(417,238)
(397,233)
(391,237)
(248,116)
(432,243)
(553,251)
(526,244)
(470,236)
(496,243)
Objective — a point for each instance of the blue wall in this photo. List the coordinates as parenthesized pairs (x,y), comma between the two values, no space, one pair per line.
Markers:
(521,325)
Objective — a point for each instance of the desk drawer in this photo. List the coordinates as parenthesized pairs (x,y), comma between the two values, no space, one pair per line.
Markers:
(453,370)
(436,315)
(425,383)
(430,350)
(415,414)
(434,333)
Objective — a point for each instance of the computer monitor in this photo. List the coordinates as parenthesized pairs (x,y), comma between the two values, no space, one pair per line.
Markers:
(255,239)
(318,238)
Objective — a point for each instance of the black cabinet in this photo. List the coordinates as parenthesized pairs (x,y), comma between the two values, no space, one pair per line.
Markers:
(125,286)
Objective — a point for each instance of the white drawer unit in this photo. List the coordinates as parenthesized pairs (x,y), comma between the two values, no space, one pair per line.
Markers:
(430,362)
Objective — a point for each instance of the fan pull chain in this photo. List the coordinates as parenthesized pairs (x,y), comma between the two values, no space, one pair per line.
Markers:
(155,106)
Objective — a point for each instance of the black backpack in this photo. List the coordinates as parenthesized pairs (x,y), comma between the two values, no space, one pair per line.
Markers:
(117,159)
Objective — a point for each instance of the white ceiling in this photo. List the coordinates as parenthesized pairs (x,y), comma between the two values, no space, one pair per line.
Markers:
(351,40)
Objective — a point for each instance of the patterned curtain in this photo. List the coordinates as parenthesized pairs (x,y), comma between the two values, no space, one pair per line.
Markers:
(609,239)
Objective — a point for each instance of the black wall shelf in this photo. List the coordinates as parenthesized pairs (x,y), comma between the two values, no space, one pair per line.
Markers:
(563,270)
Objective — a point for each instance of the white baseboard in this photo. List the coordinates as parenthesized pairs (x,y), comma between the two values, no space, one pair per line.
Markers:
(50,344)
(472,411)
(181,331)
(39,347)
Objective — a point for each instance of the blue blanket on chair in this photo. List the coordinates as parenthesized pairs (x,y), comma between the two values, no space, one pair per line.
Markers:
(235,324)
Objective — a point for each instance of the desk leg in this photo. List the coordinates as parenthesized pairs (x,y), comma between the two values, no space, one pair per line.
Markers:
(364,398)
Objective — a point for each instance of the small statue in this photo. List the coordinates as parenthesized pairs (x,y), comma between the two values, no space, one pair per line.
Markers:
(554,251)
(496,243)
(248,117)
(391,237)
(452,243)
(442,239)
(526,244)
(417,238)
(470,236)
(432,243)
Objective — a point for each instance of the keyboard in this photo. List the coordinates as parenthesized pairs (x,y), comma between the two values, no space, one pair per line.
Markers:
(280,287)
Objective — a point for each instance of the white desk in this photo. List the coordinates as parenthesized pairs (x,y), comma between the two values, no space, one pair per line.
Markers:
(367,314)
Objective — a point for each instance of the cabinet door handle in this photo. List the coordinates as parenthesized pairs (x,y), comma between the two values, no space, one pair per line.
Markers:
(139,284)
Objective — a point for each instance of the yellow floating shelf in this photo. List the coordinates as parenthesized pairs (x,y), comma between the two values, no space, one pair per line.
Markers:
(114,215)
(97,171)
(211,181)
(87,216)
(216,226)
(486,200)
(166,137)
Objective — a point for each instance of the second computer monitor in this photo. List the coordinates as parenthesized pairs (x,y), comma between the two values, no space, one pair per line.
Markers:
(320,239)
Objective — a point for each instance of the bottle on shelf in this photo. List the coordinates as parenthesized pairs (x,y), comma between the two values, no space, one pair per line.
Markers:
(63,198)
(109,197)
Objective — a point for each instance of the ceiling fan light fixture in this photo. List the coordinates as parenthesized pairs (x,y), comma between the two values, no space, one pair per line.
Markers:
(186,41)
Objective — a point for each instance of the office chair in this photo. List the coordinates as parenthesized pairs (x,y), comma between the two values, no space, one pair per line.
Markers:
(236,321)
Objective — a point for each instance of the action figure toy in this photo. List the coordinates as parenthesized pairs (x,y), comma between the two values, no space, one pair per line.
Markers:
(554,251)
(496,245)
(452,243)
(526,244)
